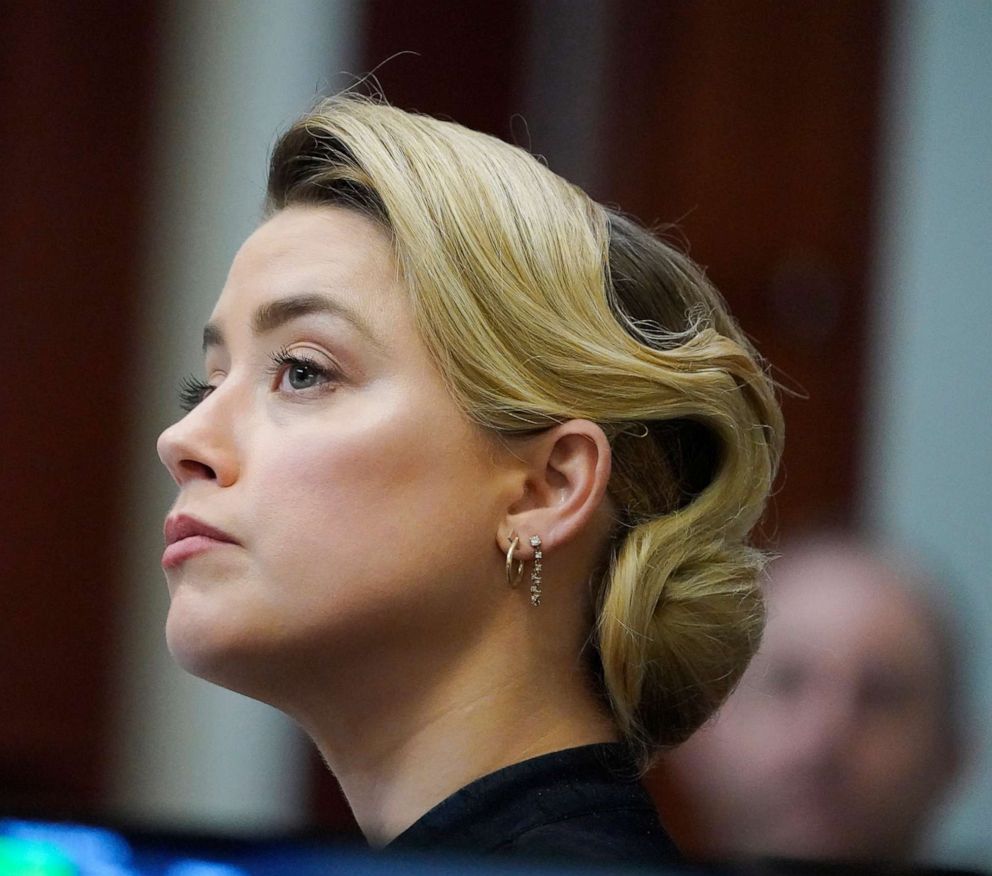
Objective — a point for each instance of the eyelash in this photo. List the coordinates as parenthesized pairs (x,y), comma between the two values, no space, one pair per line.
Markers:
(192,390)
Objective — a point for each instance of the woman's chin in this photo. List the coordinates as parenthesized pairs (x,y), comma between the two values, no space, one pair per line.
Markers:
(207,641)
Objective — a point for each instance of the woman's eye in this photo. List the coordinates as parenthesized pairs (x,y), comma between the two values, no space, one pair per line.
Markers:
(301,376)
(297,373)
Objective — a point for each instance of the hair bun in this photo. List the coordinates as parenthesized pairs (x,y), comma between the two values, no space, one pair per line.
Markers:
(680,618)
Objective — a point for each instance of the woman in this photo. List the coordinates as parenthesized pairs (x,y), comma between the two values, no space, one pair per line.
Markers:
(467,488)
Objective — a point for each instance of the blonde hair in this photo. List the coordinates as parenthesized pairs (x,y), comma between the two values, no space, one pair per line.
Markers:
(538,306)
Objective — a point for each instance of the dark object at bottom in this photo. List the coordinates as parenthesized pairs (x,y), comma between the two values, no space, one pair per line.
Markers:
(583,804)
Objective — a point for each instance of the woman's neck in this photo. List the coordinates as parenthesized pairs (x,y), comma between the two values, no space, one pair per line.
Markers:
(400,745)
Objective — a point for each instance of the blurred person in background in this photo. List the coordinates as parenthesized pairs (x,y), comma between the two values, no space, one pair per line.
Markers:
(845,733)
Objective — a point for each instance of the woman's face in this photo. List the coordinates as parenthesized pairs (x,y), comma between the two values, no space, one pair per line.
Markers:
(363,504)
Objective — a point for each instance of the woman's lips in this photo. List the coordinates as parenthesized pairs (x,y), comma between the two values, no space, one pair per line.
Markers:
(186,536)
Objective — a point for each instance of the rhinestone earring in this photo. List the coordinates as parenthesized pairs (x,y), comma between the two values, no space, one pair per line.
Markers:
(535,572)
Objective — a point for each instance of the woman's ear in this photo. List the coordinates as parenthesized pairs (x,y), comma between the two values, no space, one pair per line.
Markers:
(568,470)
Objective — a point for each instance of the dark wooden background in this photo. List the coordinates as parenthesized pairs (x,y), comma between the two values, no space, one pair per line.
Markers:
(76,89)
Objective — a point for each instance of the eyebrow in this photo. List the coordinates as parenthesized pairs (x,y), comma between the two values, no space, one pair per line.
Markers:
(273,314)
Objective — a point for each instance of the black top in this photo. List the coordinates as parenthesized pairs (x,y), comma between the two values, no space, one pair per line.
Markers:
(585,804)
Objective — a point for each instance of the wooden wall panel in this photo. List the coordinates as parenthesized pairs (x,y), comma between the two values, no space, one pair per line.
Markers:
(457,59)
(753,125)
(74,87)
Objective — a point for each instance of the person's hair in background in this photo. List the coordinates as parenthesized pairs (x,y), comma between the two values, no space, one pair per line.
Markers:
(539,305)
(847,731)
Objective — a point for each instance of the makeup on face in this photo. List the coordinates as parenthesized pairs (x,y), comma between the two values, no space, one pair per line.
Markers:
(329,452)
(186,536)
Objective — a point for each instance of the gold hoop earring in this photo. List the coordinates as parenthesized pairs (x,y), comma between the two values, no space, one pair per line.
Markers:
(535,572)
(513,576)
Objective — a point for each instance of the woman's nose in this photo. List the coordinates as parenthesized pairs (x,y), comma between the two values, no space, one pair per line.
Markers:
(198,447)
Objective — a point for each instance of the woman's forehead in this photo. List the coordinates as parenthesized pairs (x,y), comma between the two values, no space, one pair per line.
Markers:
(310,253)
(326,243)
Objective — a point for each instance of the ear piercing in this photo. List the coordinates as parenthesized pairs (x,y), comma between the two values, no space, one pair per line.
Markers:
(513,576)
(515,571)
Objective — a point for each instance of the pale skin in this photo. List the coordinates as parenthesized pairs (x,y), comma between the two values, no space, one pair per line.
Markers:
(366,595)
